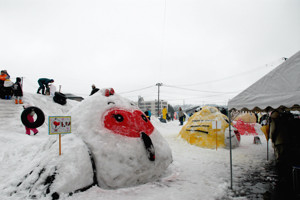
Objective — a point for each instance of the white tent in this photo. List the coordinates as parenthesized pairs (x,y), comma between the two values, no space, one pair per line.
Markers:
(279,88)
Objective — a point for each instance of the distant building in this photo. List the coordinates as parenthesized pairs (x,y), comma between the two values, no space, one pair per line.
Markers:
(151,105)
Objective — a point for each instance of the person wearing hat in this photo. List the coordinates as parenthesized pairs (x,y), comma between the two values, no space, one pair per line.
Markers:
(94,90)
(5,85)
(43,83)
(3,76)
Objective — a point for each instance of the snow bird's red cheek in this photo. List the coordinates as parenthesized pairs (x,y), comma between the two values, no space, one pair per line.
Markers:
(127,123)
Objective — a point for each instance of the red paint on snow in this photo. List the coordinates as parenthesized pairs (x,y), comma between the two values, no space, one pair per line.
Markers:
(245,128)
(127,123)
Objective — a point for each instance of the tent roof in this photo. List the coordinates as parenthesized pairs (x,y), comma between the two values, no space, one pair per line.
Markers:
(279,88)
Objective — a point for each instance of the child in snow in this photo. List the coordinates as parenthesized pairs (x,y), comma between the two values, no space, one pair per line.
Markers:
(31,120)
(18,92)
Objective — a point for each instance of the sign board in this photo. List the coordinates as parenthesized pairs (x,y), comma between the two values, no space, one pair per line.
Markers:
(59,125)
(216,125)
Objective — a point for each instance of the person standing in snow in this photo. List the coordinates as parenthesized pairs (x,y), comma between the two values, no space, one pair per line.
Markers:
(164,114)
(3,76)
(149,113)
(181,116)
(5,90)
(94,90)
(18,92)
(44,83)
(31,120)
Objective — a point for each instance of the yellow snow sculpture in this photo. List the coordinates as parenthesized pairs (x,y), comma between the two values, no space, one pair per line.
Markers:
(199,128)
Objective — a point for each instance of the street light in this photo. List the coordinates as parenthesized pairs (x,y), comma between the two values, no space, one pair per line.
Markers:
(158,85)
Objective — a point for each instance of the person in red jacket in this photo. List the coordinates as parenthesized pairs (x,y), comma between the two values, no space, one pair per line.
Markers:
(31,120)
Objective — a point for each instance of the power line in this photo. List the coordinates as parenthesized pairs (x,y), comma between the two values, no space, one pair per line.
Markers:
(136,90)
(199,90)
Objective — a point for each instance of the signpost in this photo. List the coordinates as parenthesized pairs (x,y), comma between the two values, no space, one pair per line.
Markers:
(216,126)
(59,125)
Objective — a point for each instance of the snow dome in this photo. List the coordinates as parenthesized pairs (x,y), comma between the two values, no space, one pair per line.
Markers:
(199,129)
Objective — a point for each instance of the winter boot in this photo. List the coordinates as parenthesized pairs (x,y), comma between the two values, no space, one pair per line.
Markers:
(38,91)
(43,91)
(20,101)
(16,101)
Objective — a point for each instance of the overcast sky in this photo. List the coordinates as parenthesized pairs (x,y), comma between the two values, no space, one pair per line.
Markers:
(202,51)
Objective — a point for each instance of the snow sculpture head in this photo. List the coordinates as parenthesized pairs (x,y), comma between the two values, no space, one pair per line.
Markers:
(126,147)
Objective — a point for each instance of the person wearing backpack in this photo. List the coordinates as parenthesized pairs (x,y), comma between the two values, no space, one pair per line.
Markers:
(18,92)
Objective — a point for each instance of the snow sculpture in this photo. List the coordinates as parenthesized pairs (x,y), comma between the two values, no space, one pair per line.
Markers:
(199,129)
(127,149)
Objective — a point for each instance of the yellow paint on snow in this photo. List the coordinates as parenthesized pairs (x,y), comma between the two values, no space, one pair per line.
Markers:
(198,130)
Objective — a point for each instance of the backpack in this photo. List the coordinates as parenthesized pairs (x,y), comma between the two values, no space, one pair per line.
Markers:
(15,86)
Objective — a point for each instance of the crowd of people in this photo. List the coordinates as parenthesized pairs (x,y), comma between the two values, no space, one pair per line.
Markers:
(10,90)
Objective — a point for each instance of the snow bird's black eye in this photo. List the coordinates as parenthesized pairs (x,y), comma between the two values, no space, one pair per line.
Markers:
(118,117)
(144,118)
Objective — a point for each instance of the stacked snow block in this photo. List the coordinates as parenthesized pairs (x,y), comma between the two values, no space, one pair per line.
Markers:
(60,98)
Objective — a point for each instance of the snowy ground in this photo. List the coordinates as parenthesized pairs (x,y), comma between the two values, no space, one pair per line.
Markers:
(195,173)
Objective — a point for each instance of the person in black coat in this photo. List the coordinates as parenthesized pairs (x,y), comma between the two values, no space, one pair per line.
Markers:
(43,82)
(18,92)
(94,90)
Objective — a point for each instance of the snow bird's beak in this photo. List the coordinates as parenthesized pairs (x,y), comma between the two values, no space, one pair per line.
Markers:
(148,146)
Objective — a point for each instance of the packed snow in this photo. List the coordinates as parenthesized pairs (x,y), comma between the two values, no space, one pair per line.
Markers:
(194,173)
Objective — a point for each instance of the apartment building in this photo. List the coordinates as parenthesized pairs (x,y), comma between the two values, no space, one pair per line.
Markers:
(152,105)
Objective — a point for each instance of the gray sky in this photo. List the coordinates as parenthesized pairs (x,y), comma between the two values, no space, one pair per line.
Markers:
(202,51)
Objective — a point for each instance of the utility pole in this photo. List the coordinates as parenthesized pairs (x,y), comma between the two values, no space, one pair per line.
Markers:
(158,85)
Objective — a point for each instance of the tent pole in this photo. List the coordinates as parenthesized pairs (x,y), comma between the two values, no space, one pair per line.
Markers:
(268,150)
(230,149)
